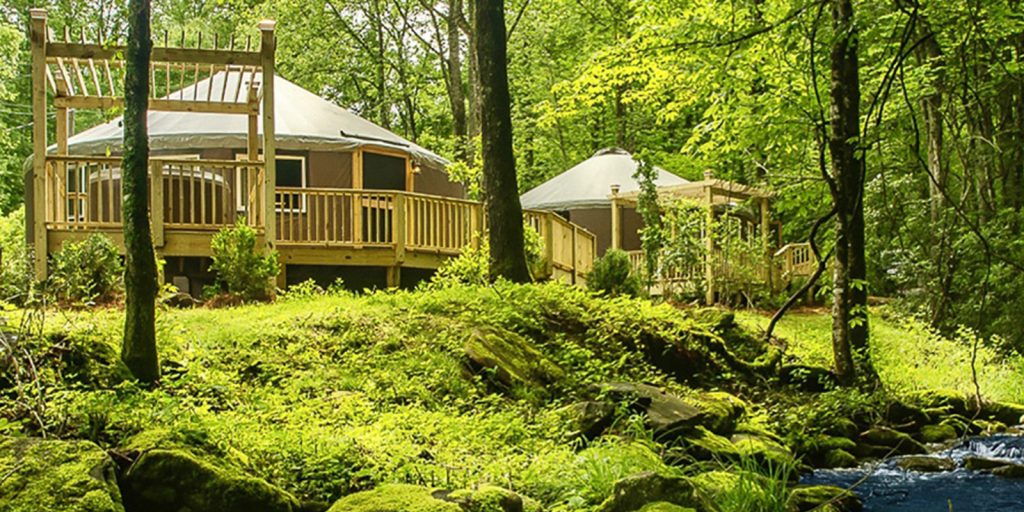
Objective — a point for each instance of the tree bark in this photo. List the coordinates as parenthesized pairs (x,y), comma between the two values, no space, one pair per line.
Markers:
(456,95)
(500,189)
(140,279)
(849,309)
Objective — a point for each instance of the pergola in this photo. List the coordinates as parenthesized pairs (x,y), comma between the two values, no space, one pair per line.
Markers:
(710,191)
(76,73)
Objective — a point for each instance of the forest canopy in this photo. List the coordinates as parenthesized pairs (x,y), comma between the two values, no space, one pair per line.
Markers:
(739,88)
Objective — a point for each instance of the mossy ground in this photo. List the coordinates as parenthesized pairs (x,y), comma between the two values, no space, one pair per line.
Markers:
(329,395)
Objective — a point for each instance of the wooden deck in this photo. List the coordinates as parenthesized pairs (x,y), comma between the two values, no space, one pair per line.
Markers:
(193,199)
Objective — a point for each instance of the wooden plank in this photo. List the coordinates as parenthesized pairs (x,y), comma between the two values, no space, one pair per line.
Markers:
(399,226)
(156,104)
(98,52)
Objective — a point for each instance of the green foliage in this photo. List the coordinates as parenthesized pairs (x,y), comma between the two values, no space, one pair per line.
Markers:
(89,270)
(577,481)
(469,268)
(652,235)
(16,271)
(613,275)
(241,268)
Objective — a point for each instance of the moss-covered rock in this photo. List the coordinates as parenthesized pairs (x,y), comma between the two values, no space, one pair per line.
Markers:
(712,484)
(989,427)
(880,441)
(174,480)
(962,425)
(946,400)
(703,444)
(664,506)
(38,474)
(396,498)
(925,464)
(936,433)
(908,417)
(720,410)
(842,427)
(634,492)
(1010,414)
(839,458)
(489,498)
(761,449)
(510,358)
(666,413)
(984,463)
(589,419)
(813,497)
(815,449)
(1014,471)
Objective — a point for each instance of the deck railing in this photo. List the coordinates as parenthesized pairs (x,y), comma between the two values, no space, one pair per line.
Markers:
(85,193)
(796,260)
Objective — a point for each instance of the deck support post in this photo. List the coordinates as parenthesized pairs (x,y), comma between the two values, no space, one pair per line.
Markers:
(548,237)
(709,246)
(39,197)
(616,219)
(156,206)
(267,51)
(394,277)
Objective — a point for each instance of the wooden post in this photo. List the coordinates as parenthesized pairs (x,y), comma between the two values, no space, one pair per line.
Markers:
(477,228)
(39,197)
(765,245)
(709,246)
(616,219)
(156,207)
(398,227)
(267,51)
(549,243)
(575,261)
(394,277)
(357,198)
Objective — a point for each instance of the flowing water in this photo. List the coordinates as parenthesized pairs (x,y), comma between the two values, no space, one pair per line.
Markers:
(890,489)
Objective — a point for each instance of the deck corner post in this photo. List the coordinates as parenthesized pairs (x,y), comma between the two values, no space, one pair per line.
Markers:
(267,50)
(399,228)
(156,198)
(39,197)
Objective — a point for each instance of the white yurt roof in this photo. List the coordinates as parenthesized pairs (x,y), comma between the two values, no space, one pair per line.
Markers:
(303,121)
(588,184)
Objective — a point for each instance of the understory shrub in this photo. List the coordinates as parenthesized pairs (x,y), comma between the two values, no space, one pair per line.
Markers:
(613,275)
(86,271)
(16,269)
(241,269)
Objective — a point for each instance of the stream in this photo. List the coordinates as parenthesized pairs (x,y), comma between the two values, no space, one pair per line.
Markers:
(891,489)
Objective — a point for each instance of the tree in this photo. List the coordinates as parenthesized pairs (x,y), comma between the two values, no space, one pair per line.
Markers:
(849,281)
(138,350)
(500,189)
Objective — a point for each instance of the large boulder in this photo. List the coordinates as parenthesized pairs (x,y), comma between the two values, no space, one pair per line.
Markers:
(704,445)
(670,415)
(38,474)
(936,433)
(1010,414)
(396,498)
(945,400)
(761,449)
(174,480)
(637,491)
(510,358)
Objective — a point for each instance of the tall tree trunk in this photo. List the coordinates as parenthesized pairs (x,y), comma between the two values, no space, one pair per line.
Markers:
(140,278)
(473,121)
(456,96)
(501,192)
(849,309)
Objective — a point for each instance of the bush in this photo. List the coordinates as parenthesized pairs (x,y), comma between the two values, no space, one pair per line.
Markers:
(470,267)
(241,269)
(16,271)
(613,275)
(87,271)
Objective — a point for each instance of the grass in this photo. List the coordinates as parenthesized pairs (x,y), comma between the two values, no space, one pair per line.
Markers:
(909,355)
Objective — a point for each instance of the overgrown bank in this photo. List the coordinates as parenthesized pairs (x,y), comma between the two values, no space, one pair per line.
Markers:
(570,401)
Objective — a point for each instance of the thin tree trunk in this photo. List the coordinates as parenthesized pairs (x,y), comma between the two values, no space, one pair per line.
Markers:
(501,192)
(140,280)
(849,309)
(456,95)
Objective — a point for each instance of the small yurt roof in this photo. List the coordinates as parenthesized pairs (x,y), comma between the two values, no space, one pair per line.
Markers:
(303,121)
(588,184)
